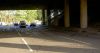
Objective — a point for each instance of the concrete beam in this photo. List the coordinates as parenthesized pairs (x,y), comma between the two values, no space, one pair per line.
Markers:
(83,14)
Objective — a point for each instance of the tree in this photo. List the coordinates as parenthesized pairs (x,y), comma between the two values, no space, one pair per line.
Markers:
(18,15)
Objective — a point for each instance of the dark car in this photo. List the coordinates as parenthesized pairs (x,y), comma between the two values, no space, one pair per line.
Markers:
(16,24)
(22,24)
(32,24)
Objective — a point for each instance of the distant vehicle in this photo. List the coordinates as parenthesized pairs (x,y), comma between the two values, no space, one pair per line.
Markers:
(32,24)
(3,23)
(16,24)
(22,24)
(37,22)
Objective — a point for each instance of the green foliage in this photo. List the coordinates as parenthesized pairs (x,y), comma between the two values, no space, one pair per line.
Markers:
(18,15)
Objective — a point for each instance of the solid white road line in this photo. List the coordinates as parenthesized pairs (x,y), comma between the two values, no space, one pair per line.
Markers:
(68,38)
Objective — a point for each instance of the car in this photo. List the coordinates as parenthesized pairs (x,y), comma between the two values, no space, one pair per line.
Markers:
(22,24)
(3,23)
(16,24)
(32,24)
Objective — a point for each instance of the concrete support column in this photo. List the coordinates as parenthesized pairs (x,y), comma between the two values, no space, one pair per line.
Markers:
(56,18)
(49,17)
(46,18)
(83,13)
(43,17)
(66,14)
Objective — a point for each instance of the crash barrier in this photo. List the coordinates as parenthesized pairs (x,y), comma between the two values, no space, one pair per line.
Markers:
(6,29)
(13,29)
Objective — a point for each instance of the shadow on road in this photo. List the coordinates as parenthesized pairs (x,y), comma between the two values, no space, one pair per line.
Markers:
(49,48)
(53,36)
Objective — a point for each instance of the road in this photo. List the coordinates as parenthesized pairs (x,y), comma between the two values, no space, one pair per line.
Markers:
(44,41)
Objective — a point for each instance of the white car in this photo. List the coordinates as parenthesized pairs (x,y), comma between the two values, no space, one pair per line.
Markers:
(3,23)
(37,22)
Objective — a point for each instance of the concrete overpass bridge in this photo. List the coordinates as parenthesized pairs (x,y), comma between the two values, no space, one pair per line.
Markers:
(81,13)
(67,13)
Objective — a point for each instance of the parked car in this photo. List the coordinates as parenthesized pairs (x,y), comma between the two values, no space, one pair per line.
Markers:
(22,24)
(32,24)
(3,23)
(16,24)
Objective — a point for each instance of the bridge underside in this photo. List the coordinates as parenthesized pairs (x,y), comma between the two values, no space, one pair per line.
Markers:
(31,4)
(77,13)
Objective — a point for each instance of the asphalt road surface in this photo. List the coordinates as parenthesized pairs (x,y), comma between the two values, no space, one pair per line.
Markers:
(43,41)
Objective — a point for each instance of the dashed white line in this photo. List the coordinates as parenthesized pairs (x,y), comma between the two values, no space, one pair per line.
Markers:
(30,49)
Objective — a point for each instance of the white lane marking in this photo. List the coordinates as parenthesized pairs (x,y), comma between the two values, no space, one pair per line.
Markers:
(27,45)
(30,49)
(68,38)
(74,40)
